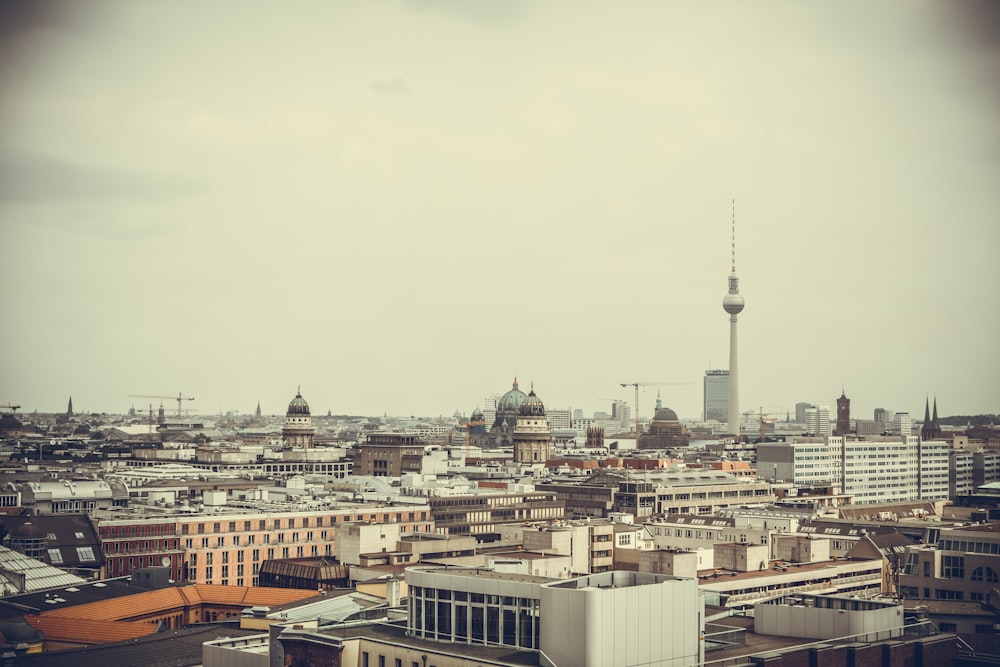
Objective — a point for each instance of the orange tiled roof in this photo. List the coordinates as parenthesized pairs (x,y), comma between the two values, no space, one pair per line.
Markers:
(165,599)
(88,631)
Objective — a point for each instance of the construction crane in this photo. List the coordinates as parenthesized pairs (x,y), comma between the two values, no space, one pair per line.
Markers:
(763,418)
(636,385)
(179,398)
(10,406)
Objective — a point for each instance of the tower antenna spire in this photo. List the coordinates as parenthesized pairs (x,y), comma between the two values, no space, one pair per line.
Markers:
(734,235)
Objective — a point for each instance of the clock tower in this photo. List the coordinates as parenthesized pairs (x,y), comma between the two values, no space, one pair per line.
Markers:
(843,415)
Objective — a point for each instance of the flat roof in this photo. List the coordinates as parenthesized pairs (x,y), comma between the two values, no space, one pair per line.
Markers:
(486,573)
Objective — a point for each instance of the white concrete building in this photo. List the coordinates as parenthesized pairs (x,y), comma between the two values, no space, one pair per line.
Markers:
(613,618)
(828,617)
(818,420)
(880,469)
(630,619)
(932,469)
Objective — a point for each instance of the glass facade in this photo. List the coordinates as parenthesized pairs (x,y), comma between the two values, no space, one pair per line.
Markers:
(716,395)
(473,618)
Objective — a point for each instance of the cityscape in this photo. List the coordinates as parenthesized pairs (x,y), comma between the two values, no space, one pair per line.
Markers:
(395,335)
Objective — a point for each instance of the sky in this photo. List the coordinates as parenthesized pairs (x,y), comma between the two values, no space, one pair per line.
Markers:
(400,206)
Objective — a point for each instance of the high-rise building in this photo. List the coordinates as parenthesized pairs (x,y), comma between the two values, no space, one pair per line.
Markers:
(490,409)
(800,412)
(733,304)
(883,415)
(622,414)
(818,420)
(559,418)
(902,424)
(716,395)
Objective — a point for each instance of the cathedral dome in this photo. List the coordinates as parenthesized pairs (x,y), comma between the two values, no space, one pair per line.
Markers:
(512,399)
(532,406)
(665,415)
(477,415)
(298,405)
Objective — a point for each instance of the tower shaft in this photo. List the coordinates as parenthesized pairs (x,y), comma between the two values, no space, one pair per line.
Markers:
(734,387)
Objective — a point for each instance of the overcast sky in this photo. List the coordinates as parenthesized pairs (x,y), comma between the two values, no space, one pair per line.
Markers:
(400,205)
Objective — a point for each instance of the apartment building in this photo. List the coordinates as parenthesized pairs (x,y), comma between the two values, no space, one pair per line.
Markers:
(682,491)
(482,514)
(963,565)
(589,543)
(227,548)
(872,470)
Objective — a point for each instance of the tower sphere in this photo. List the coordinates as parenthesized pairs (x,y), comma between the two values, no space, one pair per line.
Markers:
(733,304)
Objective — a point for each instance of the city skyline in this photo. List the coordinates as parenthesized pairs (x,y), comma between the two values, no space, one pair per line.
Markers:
(401,207)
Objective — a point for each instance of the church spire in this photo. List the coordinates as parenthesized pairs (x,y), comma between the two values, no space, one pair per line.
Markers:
(927,409)
(69,408)
(935,417)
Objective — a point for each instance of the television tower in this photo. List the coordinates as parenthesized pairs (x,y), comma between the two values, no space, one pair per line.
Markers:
(733,304)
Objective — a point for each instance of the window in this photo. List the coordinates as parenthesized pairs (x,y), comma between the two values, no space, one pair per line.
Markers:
(981,573)
(953,567)
(85,553)
(55,556)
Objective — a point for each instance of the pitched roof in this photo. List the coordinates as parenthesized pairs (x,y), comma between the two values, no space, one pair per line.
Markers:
(37,575)
(72,538)
(154,602)
(163,649)
(88,631)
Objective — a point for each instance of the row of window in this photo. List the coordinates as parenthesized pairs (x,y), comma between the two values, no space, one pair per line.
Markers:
(967,546)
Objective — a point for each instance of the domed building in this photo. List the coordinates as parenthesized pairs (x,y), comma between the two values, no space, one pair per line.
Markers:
(29,540)
(665,430)
(298,430)
(531,437)
(502,430)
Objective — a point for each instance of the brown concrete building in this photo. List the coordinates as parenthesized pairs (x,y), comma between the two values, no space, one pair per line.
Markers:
(228,549)
(390,455)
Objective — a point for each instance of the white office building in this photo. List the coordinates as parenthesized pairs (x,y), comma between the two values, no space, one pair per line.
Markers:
(879,469)
(818,420)
(902,424)
(631,619)
(933,469)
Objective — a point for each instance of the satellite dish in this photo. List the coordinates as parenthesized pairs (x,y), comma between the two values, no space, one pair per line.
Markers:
(165,561)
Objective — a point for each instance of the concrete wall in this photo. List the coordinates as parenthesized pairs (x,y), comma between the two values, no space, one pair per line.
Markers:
(801,549)
(742,557)
(624,619)
(354,539)
(841,617)
(236,652)
(671,563)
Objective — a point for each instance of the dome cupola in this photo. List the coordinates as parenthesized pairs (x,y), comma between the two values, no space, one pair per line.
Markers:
(298,405)
(532,406)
